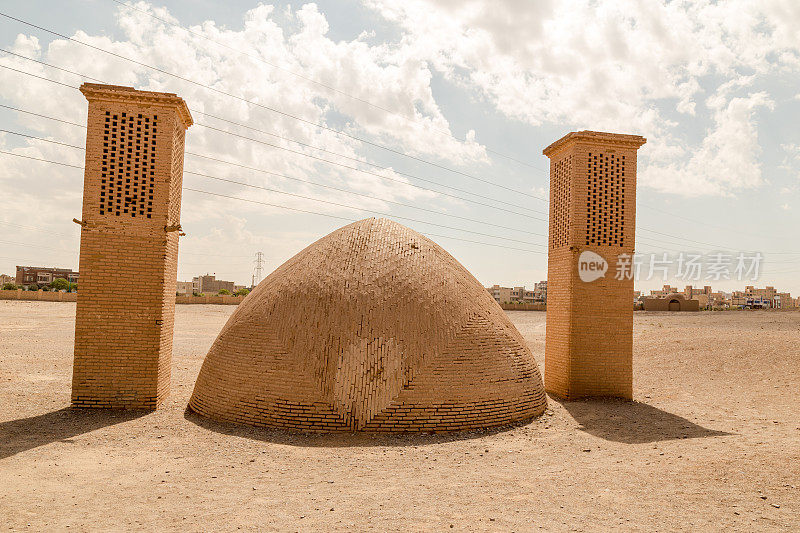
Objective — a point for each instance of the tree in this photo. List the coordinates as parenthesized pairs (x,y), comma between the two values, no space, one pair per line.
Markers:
(242,292)
(59,284)
(224,292)
(33,287)
(10,287)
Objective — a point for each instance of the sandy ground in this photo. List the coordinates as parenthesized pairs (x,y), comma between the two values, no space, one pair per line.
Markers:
(713,443)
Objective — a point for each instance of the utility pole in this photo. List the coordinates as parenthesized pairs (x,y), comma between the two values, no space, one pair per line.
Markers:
(259,267)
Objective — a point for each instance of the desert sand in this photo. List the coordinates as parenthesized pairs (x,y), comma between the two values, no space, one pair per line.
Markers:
(712,443)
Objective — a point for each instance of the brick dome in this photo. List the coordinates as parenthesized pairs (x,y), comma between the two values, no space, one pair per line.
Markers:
(375,328)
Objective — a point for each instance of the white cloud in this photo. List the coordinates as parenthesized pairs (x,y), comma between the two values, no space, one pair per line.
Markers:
(688,75)
(791,161)
(397,83)
(727,159)
(638,67)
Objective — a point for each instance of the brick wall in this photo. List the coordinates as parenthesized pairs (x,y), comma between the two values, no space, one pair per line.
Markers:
(524,307)
(131,207)
(671,303)
(589,336)
(219,299)
(39,296)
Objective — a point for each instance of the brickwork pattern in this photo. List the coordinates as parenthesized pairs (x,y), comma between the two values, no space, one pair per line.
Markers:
(372,328)
(123,345)
(589,338)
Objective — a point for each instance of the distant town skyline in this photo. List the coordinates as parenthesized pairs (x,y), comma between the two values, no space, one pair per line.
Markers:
(472,94)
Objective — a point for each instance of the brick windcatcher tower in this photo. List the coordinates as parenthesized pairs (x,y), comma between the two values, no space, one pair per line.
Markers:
(129,247)
(589,340)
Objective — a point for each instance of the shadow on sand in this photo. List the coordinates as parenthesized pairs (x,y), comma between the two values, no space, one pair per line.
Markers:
(341,440)
(57,426)
(632,422)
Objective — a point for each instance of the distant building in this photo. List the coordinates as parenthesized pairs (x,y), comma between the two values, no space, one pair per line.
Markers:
(28,275)
(784,300)
(671,302)
(706,296)
(184,288)
(209,284)
(755,298)
(6,279)
(540,292)
(512,294)
(664,291)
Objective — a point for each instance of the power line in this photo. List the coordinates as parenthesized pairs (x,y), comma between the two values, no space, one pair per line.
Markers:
(277,174)
(40,77)
(378,175)
(341,155)
(360,194)
(35,228)
(50,232)
(407,174)
(43,116)
(683,238)
(349,219)
(295,208)
(39,246)
(346,206)
(40,159)
(257,104)
(62,250)
(329,87)
(380,213)
(293,194)
(9,52)
(310,156)
(277,146)
(675,215)
(42,139)
(388,178)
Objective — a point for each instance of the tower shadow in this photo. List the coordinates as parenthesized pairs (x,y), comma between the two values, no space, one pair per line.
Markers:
(632,422)
(58,426)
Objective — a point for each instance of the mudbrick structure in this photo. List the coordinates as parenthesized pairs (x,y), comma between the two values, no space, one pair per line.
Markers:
(129,244)
(373,327)
(671,302)
(589,339)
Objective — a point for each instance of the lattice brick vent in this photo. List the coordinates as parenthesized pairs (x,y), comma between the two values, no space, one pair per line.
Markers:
(127,178)
(559,233)
(605,202)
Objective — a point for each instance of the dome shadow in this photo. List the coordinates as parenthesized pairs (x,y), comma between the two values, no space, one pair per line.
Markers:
(343,440)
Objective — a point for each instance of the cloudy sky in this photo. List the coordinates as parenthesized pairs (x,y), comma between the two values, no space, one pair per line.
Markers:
(432,112)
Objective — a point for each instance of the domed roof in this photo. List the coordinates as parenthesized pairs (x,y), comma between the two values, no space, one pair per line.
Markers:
(373,327)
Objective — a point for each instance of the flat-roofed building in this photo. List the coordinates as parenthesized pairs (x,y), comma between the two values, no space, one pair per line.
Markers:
(184,288)
(209,284)
(30,275)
